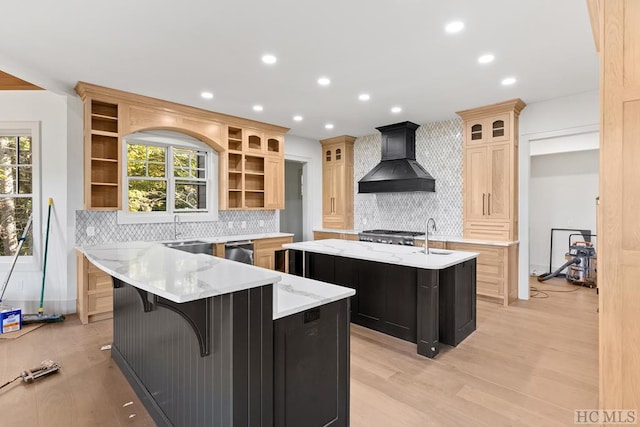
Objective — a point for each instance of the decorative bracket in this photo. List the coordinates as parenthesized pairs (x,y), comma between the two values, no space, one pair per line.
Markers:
(197,314)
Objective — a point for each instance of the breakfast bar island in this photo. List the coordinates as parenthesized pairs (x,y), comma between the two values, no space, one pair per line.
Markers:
(205,341)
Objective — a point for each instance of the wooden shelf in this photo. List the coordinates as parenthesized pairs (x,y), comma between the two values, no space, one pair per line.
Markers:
(104,133)
(98,159)
(100,116)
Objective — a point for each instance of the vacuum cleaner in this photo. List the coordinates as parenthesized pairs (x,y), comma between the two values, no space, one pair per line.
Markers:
(580,265)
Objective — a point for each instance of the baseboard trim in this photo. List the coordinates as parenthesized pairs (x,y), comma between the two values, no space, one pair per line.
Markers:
(141,391)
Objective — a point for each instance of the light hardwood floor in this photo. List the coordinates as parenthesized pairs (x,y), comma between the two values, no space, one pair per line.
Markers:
(531,363)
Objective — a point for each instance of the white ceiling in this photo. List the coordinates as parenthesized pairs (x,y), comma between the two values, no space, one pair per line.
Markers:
(395,50)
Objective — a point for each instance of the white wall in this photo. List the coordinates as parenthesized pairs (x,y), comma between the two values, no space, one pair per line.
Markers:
(562,193)
(61,178)
(309,152)
(560,117)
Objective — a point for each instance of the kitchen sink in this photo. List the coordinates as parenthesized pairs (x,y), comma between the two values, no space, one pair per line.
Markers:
(437,252)
(192,246)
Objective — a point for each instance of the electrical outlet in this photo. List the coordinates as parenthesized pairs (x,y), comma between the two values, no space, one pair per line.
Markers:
(91,231)
(244,224)
(230,224)
(261,223)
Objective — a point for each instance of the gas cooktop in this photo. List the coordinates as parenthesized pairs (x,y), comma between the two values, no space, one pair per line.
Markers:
(395,237)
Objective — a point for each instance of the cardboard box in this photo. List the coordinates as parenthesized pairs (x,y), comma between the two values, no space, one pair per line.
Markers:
(10,320)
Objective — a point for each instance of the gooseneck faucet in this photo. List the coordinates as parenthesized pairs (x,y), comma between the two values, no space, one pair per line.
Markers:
(426,234)
(176,221)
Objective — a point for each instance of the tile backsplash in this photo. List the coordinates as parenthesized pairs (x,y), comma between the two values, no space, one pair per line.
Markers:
(439,151)
(107,229)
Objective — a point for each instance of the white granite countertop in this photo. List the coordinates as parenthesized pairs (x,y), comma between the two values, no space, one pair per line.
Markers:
(181,276)
(410,256)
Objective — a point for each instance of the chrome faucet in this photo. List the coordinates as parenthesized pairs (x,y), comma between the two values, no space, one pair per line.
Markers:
(176,221)
(426,234)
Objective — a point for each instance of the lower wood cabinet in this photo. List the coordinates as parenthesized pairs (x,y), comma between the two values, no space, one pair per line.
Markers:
(311,367)
(497,279)
(321,235)
(269,253)
(94,300)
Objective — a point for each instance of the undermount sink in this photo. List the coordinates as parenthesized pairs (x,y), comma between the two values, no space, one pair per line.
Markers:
(438,252)
(192,246)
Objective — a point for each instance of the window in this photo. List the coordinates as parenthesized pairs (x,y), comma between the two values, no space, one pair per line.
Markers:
(18,188)
(167,176)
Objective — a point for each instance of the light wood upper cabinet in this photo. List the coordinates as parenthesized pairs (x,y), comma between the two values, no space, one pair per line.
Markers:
(337,182)
(490,156)
(254,175)
(274,183)
(247,180)
(102,155)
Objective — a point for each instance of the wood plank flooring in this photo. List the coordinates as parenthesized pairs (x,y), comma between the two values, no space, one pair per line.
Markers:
(531,363)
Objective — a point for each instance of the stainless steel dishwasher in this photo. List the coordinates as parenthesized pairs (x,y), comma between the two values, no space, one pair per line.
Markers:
(241,251)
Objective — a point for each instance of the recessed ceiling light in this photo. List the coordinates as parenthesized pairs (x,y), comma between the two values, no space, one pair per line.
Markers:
(297,118)
(396,110)
(328,126)
(269,59)
(258,108)
(324,81)
(485,59)
(207,95)
(454,27)
(508,81)
(364,97)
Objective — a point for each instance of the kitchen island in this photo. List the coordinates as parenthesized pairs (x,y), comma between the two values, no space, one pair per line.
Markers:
(400,290)
(205,341)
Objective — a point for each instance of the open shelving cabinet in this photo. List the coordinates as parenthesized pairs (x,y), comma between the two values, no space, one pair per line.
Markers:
(103,190)
(245,175)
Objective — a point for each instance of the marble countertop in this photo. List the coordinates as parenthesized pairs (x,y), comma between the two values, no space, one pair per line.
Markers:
(336,230)
(225,239)
(410,256)
(175,275)
(294,294)
(181,276)
(460,239)
(435,238)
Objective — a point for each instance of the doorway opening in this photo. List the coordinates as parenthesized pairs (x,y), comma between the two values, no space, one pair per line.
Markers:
(291,218)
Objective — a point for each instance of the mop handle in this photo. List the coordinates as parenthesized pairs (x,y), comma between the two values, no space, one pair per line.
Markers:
(15,256)
(46,249)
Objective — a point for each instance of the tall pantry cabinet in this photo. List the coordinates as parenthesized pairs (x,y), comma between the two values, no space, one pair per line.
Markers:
(490,165)
(490,197)
(337,182)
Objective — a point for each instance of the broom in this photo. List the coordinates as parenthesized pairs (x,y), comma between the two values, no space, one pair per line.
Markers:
(41,317)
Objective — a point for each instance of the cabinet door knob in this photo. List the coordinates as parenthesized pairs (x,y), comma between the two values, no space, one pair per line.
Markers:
(483,196)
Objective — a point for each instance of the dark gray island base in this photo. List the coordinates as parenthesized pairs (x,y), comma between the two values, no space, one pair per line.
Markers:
(427,307)
(223,361)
